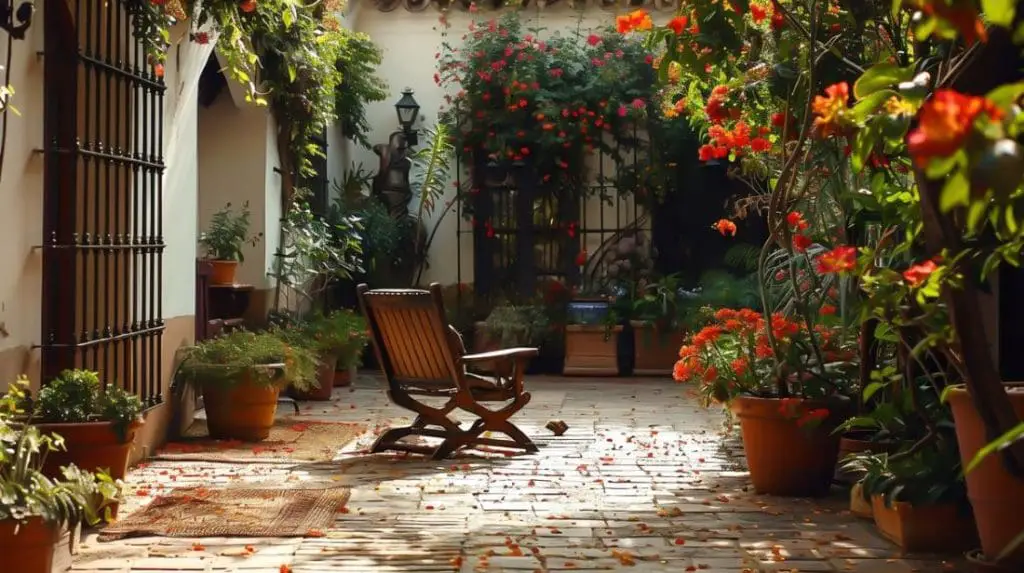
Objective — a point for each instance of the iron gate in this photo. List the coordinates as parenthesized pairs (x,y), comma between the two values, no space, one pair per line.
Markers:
(524,232)
(102,202)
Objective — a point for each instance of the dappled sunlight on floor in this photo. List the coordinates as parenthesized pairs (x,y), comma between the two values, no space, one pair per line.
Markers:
(644,480)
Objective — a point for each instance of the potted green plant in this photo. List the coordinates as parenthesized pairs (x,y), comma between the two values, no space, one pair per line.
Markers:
(656,329)
(223,241)
(241,374)
(34,507)
(918,498)
(340,334)
(510,326)
(98,424)
(350,353)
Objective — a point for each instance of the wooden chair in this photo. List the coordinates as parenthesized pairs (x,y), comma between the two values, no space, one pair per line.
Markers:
(422,356)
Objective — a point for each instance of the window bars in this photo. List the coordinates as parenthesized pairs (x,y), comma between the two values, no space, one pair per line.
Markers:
(102,203)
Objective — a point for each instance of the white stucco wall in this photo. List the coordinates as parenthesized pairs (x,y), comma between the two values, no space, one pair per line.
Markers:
(233,168)
(21,194)
(410,41)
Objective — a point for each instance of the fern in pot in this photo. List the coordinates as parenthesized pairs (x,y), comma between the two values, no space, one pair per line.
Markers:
(98,424)
(35,507)
(241,375)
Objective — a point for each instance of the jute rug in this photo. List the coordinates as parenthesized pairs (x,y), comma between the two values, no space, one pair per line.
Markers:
(290,441)
(201,512)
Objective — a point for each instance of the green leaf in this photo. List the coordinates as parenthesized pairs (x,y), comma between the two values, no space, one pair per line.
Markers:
(956,192)
(870,104)
(1006,95)
(288,17)
(879,77)
(999,12)
(1014,434)
(894,10)
(872,389)
(863,143)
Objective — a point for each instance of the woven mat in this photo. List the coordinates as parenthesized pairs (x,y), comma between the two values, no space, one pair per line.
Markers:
(201,512)
(290,441)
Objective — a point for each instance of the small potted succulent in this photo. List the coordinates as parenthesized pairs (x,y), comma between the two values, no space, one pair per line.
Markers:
(97,424)
(223,240)
(34,507)
(241,375)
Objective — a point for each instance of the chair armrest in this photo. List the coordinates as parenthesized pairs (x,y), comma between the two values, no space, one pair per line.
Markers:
(504,354)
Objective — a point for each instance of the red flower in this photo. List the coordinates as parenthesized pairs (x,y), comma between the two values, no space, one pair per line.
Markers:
(918,273)
(815,415)
(944,124)
(839,260)
(801,242)
(758,13)
(725,227)
(593,39)
(581,258)
(827,310)
(247,6)
(760,144)
(677,24)
(796,222)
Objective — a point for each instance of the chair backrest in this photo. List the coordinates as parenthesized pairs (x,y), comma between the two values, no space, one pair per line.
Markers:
(410,336)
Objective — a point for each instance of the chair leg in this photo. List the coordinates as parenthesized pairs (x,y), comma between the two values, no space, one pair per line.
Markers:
(425,416)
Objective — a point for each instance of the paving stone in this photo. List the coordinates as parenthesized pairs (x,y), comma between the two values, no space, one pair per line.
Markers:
(622,489)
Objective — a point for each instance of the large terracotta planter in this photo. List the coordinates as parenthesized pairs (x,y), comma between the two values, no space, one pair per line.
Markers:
(996,496)
(591,350)
(932,528)
(655,352)
(243,411)
(324,379)
(92,446)
(30,550)
(785,458)
(223,272)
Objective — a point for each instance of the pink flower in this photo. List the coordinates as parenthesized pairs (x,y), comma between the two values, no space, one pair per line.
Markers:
(593,39)
(623,111)
(638,104)
(556,72)
(648,59)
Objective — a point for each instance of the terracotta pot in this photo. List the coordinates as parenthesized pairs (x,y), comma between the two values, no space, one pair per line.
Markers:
(785,458)
(858,505)
(243,411)
(324,379)
(655,352)
(978,563)
(223,272)
(342,378)
(30,550)
(932,528)
(996,496)
(91,446)
(591,350)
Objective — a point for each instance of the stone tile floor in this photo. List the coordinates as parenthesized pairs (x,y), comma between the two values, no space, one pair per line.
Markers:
(644,480)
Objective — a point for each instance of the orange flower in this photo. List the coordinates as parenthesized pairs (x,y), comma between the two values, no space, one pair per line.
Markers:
(831,109)
(638,20)
(285,569)
(678,24)
(918,273)
(944,124)
(839,260)
(962,14)
(725,227)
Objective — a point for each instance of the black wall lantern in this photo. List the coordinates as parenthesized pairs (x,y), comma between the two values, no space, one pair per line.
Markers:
(408,110)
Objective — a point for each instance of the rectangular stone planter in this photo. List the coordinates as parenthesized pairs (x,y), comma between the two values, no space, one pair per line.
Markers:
(591,350)
(655,352)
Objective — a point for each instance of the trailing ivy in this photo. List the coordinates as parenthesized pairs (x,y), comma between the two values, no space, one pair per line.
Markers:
(360,85)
